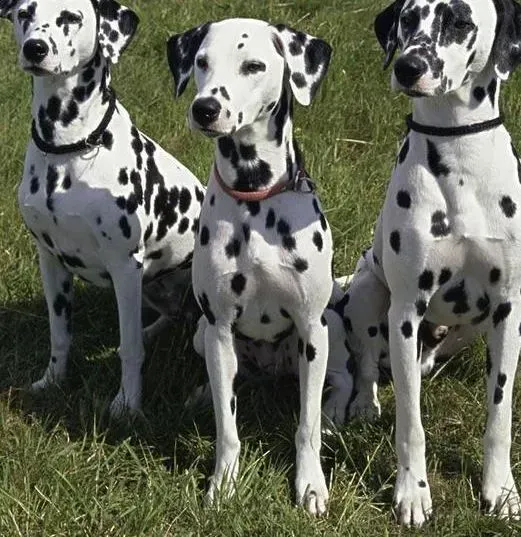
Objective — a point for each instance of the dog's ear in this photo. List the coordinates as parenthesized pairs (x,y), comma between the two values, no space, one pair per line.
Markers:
(6,8)
(307,59)
(181,51)
(506,51)
(386,29)
(117,26)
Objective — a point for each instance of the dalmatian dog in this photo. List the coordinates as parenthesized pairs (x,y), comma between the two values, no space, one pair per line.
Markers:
(365,307)
(280,358)
(262,262)
(448,239)
(103,201)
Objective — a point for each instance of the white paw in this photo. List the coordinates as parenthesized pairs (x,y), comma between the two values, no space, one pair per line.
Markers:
(412,499)
(503,501)
(311,488)
(427,365)
(221,487)
(366,408)
(200,397)
(334,412)
(50,378)
(122,406)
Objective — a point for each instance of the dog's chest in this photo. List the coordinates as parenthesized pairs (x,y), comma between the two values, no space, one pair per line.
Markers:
(70,209)
(261,265)
(452,223)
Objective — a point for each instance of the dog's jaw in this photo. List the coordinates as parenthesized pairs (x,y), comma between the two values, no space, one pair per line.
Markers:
(475,102)
(67,108)
(263,154)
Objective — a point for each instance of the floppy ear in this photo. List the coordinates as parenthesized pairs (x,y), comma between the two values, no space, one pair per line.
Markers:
(506,51)
(386,29)
(307,59)
(6,8)
(117,26)
(181,51)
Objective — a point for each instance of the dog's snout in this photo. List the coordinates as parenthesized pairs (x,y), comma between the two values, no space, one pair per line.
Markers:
(35,50)
(409,69)
(206,110)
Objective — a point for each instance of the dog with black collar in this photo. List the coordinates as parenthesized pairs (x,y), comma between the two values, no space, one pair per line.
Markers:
(262,263)
(448,241)
(102,200)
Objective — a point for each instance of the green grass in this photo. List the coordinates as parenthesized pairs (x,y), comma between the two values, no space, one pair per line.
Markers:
(66,470)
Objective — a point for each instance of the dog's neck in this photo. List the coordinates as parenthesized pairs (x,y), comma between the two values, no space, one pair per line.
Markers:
(66,109)
(262,155)
(475,102)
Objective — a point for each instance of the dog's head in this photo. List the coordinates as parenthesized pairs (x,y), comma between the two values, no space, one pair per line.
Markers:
(58,37)
(241,66)
(444,43)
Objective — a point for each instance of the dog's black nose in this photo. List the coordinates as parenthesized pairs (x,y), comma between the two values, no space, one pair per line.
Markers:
(35,50)
(206,110)
(409,69)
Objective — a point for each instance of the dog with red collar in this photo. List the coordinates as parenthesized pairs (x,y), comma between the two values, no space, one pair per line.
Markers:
(102,200)
(262,261)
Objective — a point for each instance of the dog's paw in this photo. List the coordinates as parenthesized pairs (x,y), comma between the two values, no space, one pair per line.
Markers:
(123,406)
(502,501)
(311,488)
(50,378)
(366,408)
(221,487)
(412,499)
(334,412)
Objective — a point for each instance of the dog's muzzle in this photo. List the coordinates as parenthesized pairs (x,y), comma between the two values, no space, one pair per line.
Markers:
(409,69)
(205,111)
(35,51)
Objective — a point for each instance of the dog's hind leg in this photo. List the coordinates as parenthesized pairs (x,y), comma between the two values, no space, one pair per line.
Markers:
(499,490)
(151,331)
(412,494)
(57,286)
(222,365)
(311,488)
(128,288)
(340,365)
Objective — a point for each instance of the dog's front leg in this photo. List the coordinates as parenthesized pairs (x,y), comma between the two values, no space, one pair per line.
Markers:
(412,496)
(221,362)
(311,488)
(57,287)
(499,490)
(128,288)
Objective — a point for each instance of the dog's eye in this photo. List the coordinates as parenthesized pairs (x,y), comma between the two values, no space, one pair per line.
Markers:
(409,20)
(202,63)
(72,18)
(253,67)
(24,15)
(462,24)
(66,17)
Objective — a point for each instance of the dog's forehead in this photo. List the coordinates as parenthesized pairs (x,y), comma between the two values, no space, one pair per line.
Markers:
(429,10)
(45,7)
(246,36)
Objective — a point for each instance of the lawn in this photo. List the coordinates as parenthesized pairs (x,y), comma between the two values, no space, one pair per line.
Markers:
(66,470)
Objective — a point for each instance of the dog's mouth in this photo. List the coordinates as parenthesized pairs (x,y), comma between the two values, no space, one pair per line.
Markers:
(414,93)
(36,71)
(210,132)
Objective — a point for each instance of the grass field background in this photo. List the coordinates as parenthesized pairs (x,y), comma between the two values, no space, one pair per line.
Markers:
(65,470)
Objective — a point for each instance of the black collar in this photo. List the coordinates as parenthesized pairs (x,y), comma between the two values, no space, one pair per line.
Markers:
(92,140)
(465,130)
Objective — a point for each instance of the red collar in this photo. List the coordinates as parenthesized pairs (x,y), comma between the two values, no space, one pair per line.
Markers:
(257,195)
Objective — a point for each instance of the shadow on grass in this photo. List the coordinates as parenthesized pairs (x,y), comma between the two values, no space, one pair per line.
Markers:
(183,437)
(267,408)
